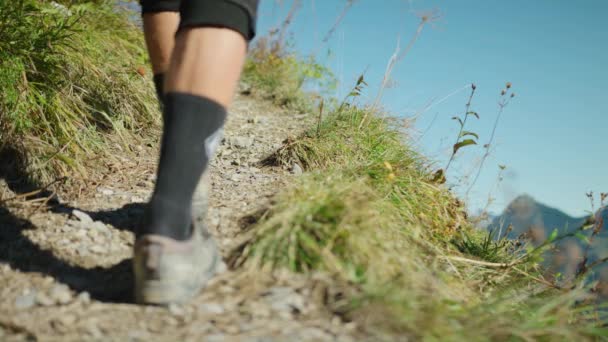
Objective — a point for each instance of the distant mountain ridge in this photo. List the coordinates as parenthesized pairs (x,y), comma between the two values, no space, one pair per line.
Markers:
(526,216)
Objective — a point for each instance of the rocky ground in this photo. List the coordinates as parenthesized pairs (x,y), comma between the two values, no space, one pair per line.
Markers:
(65,260)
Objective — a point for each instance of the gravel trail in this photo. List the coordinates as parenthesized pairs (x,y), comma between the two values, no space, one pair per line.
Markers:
(65,267)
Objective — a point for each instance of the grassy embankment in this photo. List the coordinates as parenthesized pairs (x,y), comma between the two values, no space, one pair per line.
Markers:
(72,85)
(369,213)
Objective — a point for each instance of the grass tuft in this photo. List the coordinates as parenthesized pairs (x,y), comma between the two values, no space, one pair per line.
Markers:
(70,74)
(280,75)
(369,212)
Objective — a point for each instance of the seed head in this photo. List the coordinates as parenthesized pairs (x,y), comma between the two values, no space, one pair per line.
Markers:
(503,92)
(473,86)
(388,166)
(508,85)
(512,95)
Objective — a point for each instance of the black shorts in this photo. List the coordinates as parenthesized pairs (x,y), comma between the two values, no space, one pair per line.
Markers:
(238,15)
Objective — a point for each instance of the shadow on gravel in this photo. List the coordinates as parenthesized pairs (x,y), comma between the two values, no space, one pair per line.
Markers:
(125,218)
(112,284)
(13,164)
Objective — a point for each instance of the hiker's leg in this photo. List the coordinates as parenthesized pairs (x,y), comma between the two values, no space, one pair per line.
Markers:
(209,52)
(160,19)
(210,48)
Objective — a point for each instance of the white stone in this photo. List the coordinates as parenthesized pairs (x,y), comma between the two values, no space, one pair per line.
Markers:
(25,301)
(296,169)
(82,216)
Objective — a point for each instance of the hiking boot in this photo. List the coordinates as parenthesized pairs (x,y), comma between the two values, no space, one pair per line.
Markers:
(171,271)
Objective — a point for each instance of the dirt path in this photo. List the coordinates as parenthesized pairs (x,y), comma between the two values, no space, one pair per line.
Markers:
(65,269)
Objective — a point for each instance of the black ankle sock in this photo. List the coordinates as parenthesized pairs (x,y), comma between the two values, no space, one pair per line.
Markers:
(189,137)
(159,80)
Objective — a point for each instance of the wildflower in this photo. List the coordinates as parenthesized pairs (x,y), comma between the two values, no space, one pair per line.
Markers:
(473,86)
(512,95)
(508,85)
(503,92)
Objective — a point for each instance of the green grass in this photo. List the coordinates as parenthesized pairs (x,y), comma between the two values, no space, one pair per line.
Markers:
(276,73)
(70,83)
(369,213)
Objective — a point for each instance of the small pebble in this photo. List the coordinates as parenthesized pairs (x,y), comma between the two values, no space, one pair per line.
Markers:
(232,329)
(211,308)
(44,300)
(84,297)
(94,331)
(216,338)
(296,169)
(66,319)
(82,250)
(176,310)
(98,249)
(25,301)
(61,294)
(63,242)
(82,216)
(350,326)
(105,191)
(242,142)
(93,234)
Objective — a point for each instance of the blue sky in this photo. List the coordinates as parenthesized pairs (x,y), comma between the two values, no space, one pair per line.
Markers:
(551,136)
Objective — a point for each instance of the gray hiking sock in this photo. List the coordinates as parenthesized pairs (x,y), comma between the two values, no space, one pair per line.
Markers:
(190,135)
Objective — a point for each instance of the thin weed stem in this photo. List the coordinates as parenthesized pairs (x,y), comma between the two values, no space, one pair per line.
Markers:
(398,55)
(501,105)
(464,121)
